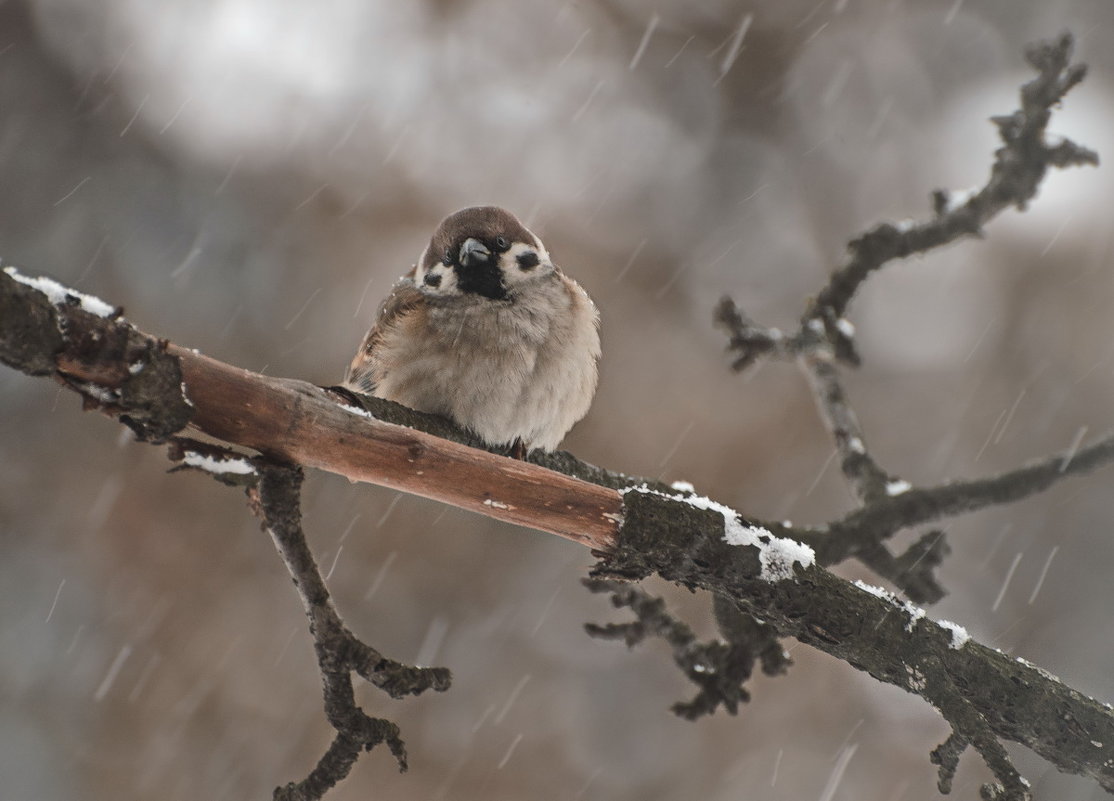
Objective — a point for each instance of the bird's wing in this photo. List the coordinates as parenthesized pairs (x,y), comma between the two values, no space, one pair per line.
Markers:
(405,299)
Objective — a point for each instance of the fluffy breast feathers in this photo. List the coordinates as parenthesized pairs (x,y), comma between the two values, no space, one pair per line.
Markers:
(515,370)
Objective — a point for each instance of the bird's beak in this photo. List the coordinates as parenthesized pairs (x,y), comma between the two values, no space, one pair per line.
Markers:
(473,251)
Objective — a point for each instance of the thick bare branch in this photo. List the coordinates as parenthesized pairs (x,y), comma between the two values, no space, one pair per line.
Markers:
(871,630)
(678,535)
(128,374)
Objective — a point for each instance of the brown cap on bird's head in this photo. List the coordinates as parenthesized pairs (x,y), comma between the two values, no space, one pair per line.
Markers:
(492,226)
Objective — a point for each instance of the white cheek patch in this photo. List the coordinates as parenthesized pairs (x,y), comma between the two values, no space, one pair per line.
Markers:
(513,273)
(439,279)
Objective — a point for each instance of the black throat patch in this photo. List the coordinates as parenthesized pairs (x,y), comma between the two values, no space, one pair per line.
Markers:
(481,279)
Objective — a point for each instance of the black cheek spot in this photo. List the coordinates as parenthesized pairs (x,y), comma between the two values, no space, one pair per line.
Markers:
(432,279)
(528,261)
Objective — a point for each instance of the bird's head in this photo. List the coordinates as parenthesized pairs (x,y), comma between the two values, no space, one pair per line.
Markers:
(481,251)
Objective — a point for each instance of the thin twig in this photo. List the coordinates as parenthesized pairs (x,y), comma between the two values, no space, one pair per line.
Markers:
(274,496)
(866,478)
(718,668)
(971,728)
(1019,167)
(824,338)
(882,519)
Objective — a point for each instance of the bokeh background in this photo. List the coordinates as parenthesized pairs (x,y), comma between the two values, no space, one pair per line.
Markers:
(249,176)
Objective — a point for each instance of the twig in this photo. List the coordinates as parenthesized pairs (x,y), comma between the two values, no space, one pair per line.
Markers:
(912,571)
(1019,167)
(825,338)
(867,479)
(273,491)
(719,669)
(969,727)
(877,522)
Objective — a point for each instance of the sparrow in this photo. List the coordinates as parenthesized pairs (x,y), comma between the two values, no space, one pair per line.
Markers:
(488,331)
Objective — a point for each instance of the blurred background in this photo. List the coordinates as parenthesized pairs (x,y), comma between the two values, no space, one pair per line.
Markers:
(248,177)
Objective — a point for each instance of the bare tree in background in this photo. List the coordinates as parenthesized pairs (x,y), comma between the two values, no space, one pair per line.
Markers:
(768,580)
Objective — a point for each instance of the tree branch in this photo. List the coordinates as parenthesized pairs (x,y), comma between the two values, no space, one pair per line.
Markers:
(825,338)
(882,519)
(680,536)
(719,669)
(157,388)
(969,726)
(1019,167)
(869,629)
(273,491)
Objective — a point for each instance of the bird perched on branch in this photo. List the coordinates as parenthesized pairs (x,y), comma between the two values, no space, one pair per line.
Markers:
(485,330)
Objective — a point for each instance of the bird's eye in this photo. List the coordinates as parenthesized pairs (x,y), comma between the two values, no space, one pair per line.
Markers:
(501,243)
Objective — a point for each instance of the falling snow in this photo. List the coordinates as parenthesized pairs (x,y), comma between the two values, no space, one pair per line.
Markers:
(736,45)
(1044,573)
(1006,582)
(838,770)
(650,28)
(113,672)
(1079,435)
